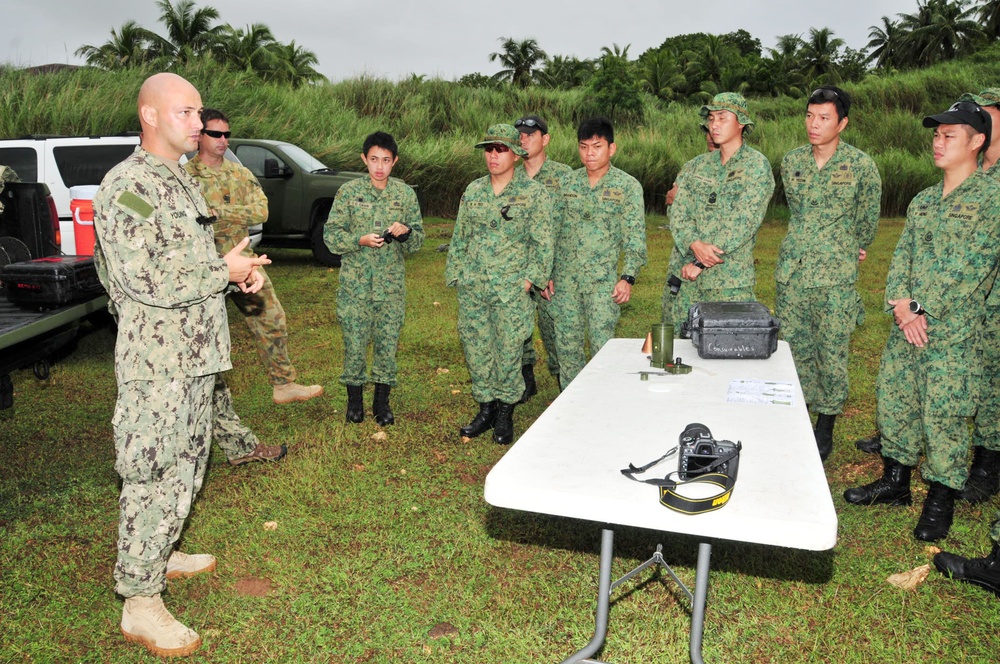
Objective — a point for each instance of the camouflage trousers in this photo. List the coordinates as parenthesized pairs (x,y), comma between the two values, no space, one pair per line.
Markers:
(375,323)
(986,431)
(675,307)
(581,316)
(547,328)
(162,435)
(817,323)
(492,334)
(235,438)
(267,322)
(926,400)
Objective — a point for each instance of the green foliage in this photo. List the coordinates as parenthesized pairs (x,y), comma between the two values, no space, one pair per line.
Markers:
(615,87)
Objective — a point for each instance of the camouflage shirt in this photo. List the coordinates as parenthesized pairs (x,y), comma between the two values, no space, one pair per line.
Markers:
(234,196)
(162,272)
(834,212)
(947,255)
(361,208)
(500,241)
(993,300)
(724,205)
(552,174)
(7,174)
(598,225)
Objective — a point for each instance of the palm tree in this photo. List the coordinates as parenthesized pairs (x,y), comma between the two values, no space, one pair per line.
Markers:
(564,72)
(519,59)
(885,44)
(820,53)
(296,65)
(128,47)
(189,29)
(660,74)
(250,50)
(939,30)
(989,16)
(709,64)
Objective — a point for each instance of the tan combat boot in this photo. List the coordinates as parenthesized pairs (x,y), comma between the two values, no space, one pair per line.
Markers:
(145,620)
(290,392)
(184,566)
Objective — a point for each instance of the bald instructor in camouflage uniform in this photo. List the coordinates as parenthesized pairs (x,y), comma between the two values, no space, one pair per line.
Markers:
(930,380)
(834,197)
(236,199)
(500,250)
(156,257)
(721,200)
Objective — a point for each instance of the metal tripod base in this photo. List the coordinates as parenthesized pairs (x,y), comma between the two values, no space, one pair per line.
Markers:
(606,587)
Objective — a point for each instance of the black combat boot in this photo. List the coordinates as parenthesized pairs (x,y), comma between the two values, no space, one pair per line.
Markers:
(824,435)
(935,518)
(893,488)
(530,386)
(982,572)
(482,422)
(380,405)
(355,404)
(984,476)
(503,432)
(871,445)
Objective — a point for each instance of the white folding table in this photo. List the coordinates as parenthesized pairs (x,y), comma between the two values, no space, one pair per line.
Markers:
(568,463)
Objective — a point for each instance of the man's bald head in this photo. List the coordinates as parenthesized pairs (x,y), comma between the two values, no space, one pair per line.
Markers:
(169,108)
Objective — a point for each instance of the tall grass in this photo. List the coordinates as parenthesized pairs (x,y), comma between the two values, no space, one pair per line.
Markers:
(437,122)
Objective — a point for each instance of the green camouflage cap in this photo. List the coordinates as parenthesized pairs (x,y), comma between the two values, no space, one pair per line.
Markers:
(732,102)
(504,134)
(988,97)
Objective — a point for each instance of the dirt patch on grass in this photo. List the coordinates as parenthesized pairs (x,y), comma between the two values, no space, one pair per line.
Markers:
(251,586)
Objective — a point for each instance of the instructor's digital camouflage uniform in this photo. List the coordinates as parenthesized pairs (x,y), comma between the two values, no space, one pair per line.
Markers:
(167,282)
(371,302)
(834,212)
(598,225)
(7,174)
(551,174)
(723,204)
(498,243)
(235,197)
(946,260)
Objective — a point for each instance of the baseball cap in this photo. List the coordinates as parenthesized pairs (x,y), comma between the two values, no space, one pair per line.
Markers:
(967,113)
(503,134)
(529,124)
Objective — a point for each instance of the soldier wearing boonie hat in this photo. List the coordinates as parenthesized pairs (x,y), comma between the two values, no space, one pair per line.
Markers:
(721,200)
(500,250)
(540,168)
(930,378)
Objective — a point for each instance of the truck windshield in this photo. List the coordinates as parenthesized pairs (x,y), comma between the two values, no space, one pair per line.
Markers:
(303,159)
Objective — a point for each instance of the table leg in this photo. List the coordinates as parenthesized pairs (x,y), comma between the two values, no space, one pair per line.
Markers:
(699,601)
(603,601)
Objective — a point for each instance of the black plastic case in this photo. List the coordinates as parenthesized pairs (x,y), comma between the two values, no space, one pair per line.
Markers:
(50,282)
(738,330)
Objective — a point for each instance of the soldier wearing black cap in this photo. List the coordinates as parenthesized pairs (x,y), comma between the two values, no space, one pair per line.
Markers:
(535,139)
(930,378)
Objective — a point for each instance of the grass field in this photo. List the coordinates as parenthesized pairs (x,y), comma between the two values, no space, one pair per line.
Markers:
(385,550)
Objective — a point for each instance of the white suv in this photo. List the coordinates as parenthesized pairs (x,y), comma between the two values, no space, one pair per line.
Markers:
(62,162)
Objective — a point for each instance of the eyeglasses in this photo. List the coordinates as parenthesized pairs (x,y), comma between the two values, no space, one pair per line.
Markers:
(216,134)
(496,147)
(826,94)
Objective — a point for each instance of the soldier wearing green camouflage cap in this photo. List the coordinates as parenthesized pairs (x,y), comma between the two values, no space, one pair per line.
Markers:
(834,195)
(7,174)
(721,200)
(930,379)
(500,250)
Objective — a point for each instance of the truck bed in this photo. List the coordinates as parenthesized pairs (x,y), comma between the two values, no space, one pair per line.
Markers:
(18,325)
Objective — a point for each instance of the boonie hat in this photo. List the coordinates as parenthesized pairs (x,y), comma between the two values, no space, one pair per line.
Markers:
(503,134)
(988,97)
(732,102)
(529,124)
(967,113)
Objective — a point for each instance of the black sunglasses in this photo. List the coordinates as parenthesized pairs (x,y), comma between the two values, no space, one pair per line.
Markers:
(216,134)
(496,147)
(826,94)
(968,107)
(526,123)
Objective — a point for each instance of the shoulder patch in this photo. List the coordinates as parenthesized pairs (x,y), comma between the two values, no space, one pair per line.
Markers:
(135,203)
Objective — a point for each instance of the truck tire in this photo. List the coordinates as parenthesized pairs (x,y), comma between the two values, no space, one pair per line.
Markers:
(320,251)
(41,369)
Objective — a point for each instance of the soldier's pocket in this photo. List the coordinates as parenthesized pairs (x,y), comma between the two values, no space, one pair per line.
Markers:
(147,431)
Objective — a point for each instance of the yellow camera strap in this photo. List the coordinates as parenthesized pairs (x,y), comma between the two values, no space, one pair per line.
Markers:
(669,497)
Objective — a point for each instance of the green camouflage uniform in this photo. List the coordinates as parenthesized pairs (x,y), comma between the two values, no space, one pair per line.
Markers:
(551,174)
(498,243)
(834,212)
(7,174)
(986,430)
(946,260)
(598,224)
(724,205)
(167,282)
(371,301)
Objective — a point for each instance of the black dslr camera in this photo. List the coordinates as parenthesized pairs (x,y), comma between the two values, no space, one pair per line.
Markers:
(699,453)
(387,237)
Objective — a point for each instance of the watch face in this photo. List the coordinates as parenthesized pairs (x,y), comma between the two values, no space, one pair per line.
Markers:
(914,307)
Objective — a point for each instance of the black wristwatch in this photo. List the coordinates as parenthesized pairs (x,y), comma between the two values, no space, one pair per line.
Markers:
(916,308)
(629,278)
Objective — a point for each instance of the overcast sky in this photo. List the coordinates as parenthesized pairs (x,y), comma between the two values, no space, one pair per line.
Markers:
(442,38)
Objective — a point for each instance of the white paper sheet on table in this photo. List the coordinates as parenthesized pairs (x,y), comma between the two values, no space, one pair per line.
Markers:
(750,390)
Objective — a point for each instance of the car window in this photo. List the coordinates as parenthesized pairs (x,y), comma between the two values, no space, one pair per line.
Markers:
(88,164)
(253,156)
(24,161)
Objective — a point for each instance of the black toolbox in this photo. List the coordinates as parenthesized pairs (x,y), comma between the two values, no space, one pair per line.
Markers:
(50,282)
(740,330)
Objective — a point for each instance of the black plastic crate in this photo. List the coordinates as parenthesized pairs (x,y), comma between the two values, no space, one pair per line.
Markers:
(738,330)
(50,282)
